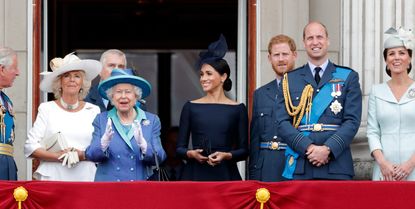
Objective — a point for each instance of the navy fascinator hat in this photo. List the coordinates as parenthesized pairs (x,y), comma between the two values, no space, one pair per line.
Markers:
(216,51)
(214,57)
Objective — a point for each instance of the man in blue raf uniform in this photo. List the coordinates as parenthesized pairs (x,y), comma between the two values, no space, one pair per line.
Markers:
(8,72)
(319,113)
(266,160)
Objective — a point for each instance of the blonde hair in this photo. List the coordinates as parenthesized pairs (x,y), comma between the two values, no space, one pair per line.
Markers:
(57,86)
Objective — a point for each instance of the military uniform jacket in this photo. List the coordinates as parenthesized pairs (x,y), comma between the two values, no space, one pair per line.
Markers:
(265,164)
(8,169)
(340,165)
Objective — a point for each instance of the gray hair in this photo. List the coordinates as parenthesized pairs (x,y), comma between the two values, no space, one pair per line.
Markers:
(6,56)
(57,87)
(113,51)
(137,90)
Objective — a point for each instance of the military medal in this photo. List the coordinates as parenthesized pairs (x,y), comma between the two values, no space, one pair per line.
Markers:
(336,107)
(336,90)
(411,93)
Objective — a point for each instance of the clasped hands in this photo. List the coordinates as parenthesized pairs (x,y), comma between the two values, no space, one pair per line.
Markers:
(395,172)
(213,159)
(318,155)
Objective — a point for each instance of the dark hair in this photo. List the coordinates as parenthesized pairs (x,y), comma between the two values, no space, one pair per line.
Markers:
(385,54)
(222,67)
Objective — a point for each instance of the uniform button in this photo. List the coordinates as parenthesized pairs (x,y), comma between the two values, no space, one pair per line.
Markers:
(131,169)
(275,137)
(262,114)
(318,90)
(118,156)
(297,98)
(118,180)
(118,168)
(132,157)
(131,180)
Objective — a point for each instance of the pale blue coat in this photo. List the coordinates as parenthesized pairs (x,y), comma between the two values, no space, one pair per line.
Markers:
(391,126)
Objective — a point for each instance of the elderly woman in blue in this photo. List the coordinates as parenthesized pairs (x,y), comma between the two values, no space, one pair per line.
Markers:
(126,139)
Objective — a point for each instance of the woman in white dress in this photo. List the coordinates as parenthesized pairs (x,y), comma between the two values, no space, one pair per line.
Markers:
(62,156)
(391,113)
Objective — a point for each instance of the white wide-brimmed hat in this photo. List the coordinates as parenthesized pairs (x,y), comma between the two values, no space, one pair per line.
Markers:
(70,62)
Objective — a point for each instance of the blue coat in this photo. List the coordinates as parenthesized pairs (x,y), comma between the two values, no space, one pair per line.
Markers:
(340,165)
(265,164)
(123,160)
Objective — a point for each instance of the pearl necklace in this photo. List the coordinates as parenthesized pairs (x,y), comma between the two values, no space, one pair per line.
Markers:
(69,106)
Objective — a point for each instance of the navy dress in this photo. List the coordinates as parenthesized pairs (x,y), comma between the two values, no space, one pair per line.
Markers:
(213,127)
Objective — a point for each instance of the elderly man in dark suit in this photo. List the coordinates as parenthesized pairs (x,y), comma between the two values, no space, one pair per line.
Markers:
(266,161)
(319,113)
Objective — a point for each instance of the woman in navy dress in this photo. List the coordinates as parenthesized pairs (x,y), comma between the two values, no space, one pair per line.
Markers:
(216,125)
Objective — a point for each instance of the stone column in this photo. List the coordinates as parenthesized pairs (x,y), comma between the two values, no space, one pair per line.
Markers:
(363,24)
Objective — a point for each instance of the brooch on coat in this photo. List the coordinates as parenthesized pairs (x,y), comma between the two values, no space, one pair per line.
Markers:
(145,122)
(411,93)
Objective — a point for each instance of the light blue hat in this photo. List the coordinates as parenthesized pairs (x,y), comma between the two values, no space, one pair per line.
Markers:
(124,76)
(398,38)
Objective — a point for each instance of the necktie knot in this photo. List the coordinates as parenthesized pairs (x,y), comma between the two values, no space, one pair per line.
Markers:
(317,74)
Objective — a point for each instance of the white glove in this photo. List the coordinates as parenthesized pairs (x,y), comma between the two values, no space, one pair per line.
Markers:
(138,136)
(106,138)
(69,158)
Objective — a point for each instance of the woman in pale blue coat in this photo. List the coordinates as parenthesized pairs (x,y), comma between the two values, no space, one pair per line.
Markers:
(391,116)
(126,139)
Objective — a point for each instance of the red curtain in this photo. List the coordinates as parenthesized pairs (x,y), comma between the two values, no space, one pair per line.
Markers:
(210,195)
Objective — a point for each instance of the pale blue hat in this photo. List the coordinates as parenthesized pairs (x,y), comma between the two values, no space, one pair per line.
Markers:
(398,38)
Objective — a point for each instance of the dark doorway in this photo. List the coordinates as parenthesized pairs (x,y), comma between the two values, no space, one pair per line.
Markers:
(139,24)
(155,25)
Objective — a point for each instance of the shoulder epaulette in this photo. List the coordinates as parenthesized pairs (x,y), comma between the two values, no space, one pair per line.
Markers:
(296,69)
(340,66)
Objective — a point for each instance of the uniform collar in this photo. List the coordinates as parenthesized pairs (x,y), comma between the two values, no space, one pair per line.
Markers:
(323,67)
